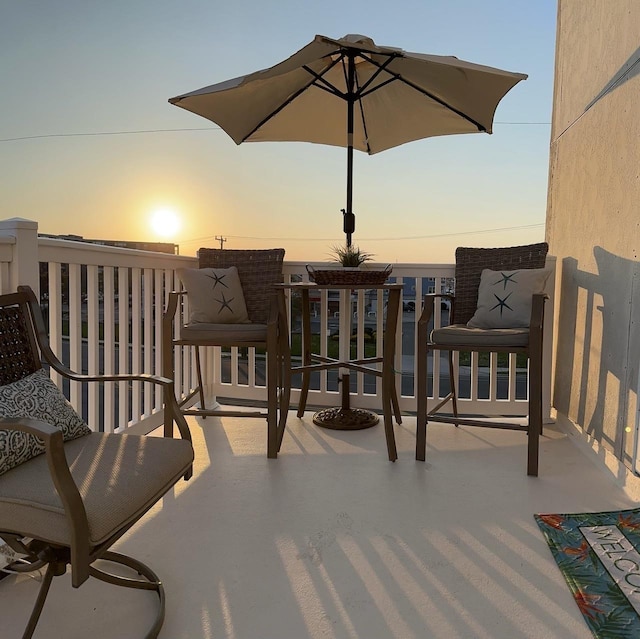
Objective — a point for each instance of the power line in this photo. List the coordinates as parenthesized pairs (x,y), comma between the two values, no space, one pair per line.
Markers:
(45,136)
(104,133)
(368,239)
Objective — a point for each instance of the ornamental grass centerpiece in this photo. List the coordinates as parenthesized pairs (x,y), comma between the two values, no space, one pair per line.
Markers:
(351,259)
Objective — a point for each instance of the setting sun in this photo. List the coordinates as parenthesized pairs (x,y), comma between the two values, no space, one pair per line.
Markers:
(165,222)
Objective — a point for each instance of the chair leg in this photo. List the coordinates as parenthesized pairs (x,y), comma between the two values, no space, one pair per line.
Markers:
(396,404)
(272,403)
(284,400)
(304,392)
(306,354)
(200,384)
(150,582)
(452,384)
(284,384)
(168,371)
(49,574)
(535,413)
(57,567)
(388,396)
(422,353)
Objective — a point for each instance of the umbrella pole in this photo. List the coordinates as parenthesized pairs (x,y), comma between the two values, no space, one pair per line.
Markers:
(349,217)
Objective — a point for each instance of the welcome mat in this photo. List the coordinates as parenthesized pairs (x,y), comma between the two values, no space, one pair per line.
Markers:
(599,556)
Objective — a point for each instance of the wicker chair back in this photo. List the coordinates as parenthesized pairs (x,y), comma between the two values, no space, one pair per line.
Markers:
(471,261)
(259,269)
(18,350)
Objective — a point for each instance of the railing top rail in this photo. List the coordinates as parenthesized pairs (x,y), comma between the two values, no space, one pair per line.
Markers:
(53,250)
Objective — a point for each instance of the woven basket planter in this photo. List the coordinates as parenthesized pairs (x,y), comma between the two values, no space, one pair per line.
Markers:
(346,276)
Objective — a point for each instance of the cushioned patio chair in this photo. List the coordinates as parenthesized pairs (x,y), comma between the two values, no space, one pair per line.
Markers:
(498,307)
(67,493)
(231,302)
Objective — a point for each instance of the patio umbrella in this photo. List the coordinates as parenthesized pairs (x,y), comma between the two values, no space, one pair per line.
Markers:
(352,93)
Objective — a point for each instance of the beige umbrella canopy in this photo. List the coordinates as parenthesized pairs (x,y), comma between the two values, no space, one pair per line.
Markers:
(352,93)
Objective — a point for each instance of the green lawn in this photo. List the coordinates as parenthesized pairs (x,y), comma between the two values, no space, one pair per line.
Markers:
(503,360)
(332,346)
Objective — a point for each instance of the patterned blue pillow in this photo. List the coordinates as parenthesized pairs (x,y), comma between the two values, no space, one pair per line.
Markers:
(35,396)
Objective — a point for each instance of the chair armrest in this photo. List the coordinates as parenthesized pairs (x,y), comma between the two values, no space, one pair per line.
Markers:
(537,311)
(429,303)
(170,402)
(42,430)
(169,397)
(274,310)
(50,358)
(172,305)
(64,485)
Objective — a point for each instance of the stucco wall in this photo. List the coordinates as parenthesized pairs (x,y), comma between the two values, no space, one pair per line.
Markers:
(593,217)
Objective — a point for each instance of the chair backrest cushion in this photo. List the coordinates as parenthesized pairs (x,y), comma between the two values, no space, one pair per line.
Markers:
(259,269)
(470,262)
(505,297)
(215,295)
(37,397)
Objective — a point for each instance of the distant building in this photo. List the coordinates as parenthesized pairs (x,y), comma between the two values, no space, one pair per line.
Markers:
(157,247)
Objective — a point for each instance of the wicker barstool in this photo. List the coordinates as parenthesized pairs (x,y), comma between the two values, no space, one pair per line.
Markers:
(259,270)
(470,262)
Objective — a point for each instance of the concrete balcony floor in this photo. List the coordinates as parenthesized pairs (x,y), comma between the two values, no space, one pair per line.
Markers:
(332,540)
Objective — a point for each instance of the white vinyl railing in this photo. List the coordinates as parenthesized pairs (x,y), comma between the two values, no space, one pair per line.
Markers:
(493,387)
(104,310)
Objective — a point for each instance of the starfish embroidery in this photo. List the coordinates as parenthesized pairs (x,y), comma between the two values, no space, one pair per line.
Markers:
(217,279)
(505,279)
(502,303)
(225,303)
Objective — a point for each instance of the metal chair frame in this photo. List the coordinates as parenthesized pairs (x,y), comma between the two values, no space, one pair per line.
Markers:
(469,265)
(259,270)
(24,346)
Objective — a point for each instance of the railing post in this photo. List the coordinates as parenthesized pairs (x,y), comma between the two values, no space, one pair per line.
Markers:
(25,267)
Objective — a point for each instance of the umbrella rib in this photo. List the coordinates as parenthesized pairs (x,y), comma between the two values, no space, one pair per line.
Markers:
(302,89)
(440,101)
(364,93)
(364,121)
(379,69)
(396,76)
(325,84)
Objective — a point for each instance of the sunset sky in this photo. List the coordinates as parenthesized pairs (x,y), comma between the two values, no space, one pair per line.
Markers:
(90,145)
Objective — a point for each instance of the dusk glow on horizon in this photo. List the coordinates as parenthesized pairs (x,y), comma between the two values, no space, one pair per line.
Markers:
(89,144)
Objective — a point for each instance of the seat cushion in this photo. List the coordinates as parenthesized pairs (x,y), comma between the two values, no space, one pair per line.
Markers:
(37,397)
(118,476)
(223,333)
(468,336)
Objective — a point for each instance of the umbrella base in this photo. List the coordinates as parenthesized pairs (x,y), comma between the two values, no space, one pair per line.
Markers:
(345,418)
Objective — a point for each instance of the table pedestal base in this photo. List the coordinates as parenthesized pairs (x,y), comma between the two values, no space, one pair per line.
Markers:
(345,418)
